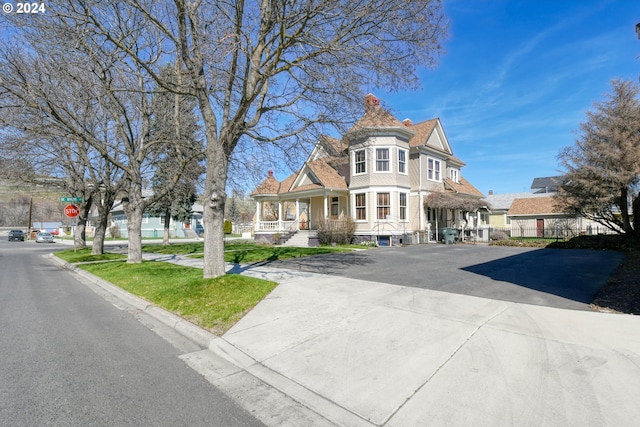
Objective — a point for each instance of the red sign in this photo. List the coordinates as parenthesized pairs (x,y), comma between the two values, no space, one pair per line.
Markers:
(71,211)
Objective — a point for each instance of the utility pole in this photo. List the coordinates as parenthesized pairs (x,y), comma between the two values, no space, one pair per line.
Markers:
(29,220)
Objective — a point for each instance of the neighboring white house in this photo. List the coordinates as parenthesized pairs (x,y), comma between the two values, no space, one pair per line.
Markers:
(535,214)
(398,181)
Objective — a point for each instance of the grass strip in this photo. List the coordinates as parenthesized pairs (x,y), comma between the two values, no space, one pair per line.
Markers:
(84,255)
(213,304)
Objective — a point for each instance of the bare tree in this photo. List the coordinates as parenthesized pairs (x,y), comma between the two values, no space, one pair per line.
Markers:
(268,73)
(77,103)
(602,179)
(50,128)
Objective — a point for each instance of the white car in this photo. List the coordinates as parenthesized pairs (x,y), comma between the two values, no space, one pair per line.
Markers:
(44,238)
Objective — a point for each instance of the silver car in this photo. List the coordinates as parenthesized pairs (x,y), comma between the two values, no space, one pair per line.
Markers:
(44,238)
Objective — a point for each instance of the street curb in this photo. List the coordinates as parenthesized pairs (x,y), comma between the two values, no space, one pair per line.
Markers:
(190,331)
(281,401)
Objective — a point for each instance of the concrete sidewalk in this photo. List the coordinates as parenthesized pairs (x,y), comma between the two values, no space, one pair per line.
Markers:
(324,350)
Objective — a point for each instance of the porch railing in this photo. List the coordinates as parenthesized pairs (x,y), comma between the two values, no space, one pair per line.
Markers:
(277,226)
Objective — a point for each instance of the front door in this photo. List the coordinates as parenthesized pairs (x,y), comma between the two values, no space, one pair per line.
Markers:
(540,227)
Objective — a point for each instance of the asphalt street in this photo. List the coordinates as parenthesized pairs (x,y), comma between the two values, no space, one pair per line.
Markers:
(551,277)
(70,357)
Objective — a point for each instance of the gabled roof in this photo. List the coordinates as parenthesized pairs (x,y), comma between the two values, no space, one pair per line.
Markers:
(534,206)
(328,176)
(319,172)
(430,134)
(502,202)
(462,187)
(337,146)
(423,130)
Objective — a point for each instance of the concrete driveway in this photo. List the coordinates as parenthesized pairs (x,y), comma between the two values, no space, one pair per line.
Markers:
(550,277)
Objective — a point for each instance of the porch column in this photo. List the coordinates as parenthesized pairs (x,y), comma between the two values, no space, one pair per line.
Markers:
(421,210)
(326,206)
(256,226)
(280,225)
(297,210)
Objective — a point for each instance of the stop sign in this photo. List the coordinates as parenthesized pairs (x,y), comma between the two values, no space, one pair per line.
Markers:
(71,211)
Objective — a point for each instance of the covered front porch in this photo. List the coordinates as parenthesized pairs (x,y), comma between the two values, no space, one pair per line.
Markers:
(287,213)
(464,214)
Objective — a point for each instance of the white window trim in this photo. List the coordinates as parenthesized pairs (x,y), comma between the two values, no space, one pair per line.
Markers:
(406,207)
(354,162)
(434,170)
(406,162)
(389,160)
(390,207)
(454,174)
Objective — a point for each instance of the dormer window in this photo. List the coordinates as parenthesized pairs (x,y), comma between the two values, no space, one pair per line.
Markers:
(360,160)
(454,174)
(382,160)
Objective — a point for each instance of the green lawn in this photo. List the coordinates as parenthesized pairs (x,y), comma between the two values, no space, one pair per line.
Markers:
(243,251)
(213,304)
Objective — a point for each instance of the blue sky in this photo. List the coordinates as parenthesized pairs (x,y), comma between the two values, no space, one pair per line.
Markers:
(517,79)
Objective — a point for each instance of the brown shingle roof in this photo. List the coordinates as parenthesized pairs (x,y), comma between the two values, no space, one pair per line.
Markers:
(327,175)
(422,130)
(376,117)
(463,187)
(337,145)
(268,186)
(534,206)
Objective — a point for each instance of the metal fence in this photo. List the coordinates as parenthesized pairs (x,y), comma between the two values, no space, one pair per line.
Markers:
(548,232)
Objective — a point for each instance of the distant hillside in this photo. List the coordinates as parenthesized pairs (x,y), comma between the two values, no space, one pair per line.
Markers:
(10,189)
(15,198)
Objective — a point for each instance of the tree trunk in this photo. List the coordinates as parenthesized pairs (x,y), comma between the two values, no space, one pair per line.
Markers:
(98,238)
(134,208)
(104,206)
(624,211)
(213,215)
(167,221)
(80,237)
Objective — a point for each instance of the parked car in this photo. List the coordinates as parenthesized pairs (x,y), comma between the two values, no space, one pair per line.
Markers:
(16,235)
(44,238)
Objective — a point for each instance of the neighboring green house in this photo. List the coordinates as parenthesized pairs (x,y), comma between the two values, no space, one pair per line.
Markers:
(398,181)
(152,225)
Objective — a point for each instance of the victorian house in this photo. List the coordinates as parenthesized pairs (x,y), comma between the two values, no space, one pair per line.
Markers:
(398,181)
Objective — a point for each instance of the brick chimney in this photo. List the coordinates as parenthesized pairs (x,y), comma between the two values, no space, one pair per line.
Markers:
(407,122)
(491,192)
(370,101)
(270,172)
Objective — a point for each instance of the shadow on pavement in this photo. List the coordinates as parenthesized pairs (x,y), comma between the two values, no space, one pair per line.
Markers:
(573,274)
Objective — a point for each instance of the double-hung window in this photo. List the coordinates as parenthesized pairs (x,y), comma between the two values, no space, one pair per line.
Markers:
(383,207)
(433,169)
(361,207)
(454,175)
(402,161)
(360,160)
(403,206)
(335,206)
(382,160)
